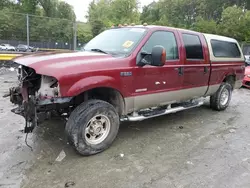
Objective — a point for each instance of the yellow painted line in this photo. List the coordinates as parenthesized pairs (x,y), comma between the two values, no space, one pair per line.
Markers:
(7,57)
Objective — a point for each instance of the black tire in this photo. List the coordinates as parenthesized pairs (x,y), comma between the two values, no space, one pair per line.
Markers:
(215,100)
(78,121)
(69,125)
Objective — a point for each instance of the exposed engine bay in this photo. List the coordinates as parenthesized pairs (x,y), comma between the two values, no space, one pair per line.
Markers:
(36,96)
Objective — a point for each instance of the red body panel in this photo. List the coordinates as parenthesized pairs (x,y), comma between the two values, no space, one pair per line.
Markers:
(147,76)
(194,70)
(81,71)
(221,69)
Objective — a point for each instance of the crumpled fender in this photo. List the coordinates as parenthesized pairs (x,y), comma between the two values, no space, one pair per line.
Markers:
(91,83)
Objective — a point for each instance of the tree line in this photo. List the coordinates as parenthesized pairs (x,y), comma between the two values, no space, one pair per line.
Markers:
(53,20)
(224,17)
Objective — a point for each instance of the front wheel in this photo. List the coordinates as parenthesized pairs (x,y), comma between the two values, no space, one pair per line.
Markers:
(221,99)
(92,127)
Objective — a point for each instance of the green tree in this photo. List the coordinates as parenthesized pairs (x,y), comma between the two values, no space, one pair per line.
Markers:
(29,6)
(124,11)
(150,13)
(205,26)
(103,14)
(84,33)
(49,7)
(232,23)
(64,10)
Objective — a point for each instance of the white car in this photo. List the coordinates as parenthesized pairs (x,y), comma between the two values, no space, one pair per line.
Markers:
(7,47)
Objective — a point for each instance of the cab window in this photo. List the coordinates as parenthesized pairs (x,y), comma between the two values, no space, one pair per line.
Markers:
(193,46)
(165,39)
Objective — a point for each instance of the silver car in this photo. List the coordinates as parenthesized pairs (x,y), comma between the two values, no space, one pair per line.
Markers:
(7,47)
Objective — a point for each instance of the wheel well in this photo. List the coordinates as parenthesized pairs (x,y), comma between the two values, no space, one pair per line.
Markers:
(109,95)
(230,79)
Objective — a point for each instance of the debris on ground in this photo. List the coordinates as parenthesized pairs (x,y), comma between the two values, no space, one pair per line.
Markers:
(61,156)
(18,164)
(6,95)
(7,82)
(232,130)
(246,159)
(122,155)
(190,163)
(69,184)
(135,128)
(181,127)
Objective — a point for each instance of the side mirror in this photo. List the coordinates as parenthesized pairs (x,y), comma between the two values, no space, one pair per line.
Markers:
(158,56)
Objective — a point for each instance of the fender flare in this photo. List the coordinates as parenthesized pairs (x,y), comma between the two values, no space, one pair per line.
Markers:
(92,82)
(230,72)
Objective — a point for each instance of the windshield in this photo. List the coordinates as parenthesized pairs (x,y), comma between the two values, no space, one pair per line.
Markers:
(116,41)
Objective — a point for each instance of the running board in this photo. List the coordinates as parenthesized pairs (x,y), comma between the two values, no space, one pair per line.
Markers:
(167,111)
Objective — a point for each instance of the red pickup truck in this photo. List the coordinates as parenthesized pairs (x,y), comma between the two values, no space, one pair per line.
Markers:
(126,74)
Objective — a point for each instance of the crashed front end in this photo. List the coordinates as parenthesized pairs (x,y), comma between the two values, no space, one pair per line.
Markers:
(37,97)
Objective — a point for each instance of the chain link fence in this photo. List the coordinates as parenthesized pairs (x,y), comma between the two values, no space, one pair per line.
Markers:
(39,32)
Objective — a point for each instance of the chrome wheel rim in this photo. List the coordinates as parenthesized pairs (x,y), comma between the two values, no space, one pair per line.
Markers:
(97,129)
(224,97)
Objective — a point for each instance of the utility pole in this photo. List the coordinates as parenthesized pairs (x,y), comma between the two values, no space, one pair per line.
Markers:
(28,30)
(75,36)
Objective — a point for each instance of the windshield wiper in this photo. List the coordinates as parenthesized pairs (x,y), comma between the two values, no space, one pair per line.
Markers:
(98,50)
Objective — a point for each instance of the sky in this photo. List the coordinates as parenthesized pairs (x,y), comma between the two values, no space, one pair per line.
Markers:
(81,7)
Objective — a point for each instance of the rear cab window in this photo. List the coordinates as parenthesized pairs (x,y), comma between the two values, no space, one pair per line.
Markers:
(225,49)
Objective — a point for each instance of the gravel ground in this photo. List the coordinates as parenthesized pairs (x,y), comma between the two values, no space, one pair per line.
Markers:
(189,149)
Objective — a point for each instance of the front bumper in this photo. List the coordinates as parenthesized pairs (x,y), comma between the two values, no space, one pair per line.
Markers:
(33,109)
(246,82)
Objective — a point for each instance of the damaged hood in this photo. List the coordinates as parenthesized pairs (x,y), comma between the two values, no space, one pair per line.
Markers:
(64,63)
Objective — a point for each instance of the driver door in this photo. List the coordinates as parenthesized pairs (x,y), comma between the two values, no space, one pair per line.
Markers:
(155,86)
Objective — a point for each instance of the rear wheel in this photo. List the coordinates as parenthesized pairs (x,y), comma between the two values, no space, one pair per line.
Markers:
(92,127)
(221,99)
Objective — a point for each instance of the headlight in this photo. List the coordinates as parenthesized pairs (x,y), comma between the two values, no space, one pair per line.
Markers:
(248,75)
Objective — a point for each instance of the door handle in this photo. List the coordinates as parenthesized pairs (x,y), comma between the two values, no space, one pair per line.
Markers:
(180,70)
(205,70)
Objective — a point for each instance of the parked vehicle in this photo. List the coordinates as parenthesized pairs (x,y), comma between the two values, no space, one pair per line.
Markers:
(126,74)
(7,47)
(246,80)
(247,60)
(25,48)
